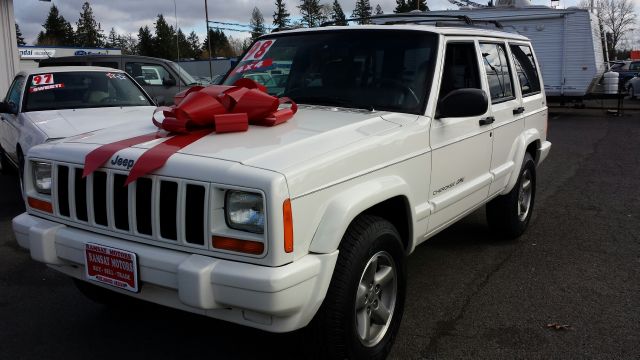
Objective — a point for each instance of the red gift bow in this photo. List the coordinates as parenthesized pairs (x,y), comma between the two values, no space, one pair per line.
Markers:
(198,112)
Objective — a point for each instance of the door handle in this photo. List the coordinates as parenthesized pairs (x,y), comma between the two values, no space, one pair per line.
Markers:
(518,110)
(487,121)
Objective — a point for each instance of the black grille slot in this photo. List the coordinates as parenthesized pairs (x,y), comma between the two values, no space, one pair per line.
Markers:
(100,198)
(143,205)
(63,190)
(120,202)
(168,208)
(194,214)
(81,195)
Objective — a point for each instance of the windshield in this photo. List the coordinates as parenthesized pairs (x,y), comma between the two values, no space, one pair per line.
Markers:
(184,75)
(82,89)
(368,69)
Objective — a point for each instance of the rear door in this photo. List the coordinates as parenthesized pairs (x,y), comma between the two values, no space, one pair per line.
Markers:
(506,109)
(461,146)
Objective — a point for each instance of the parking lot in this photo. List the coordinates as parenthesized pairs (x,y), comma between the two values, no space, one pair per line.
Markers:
(568,288)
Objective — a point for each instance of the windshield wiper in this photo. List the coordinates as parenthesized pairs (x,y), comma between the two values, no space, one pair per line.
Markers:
(331,101)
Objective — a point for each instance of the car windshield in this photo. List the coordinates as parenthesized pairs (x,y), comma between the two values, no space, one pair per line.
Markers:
(184,75)
(82,89)
(368,69)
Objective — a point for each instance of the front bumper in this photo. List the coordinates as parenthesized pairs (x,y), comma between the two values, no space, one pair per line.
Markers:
(277,299)
(543,151)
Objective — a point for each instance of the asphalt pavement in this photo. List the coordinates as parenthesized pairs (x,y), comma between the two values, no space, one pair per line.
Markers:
(569,288)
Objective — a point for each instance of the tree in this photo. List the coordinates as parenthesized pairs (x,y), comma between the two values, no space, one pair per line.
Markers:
(379,10)
(194,45)
(362,11)
(615,17)
(237,46)
(281,15)
(219,45)
(19,38)
(311,13)
(57,30)
(164,41)
(88,30)
(337,15)
(145,42)
(128,44)
(184,47)
(403,6)
(113,40)
(257,24)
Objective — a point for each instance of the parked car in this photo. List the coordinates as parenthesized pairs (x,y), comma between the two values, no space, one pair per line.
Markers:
(160,78)
(626,70)
(45,104)
(633,86)
(400,131)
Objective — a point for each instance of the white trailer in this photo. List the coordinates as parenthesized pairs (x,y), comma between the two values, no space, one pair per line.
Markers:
(566,42)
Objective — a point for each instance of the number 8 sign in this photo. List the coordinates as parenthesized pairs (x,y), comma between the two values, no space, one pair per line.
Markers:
(42,79)
(258,50)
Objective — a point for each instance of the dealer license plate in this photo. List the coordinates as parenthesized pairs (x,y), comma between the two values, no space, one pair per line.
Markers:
(111,266)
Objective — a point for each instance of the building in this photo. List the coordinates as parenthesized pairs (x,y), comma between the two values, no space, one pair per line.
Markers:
(30,55)
(9,53)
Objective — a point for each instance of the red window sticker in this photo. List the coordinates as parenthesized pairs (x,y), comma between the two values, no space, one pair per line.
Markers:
(258,50)
(42,79)
(254,65)
(45,87)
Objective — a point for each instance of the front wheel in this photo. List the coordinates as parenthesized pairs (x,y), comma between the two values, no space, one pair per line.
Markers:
(361,313)
(509,214)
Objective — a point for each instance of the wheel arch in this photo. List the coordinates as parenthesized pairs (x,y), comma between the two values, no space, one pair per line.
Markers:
(528,142)
(386,197)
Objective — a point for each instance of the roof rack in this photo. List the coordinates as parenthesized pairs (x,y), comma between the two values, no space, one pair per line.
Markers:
(415,18)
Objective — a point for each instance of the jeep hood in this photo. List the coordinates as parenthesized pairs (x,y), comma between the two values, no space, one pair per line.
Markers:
(312,132)
(68,122)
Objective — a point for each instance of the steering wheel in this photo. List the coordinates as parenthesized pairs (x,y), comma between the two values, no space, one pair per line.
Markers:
(407,91)
(109,99)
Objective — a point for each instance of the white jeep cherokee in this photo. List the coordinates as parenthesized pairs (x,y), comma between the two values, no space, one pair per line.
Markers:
(401,130)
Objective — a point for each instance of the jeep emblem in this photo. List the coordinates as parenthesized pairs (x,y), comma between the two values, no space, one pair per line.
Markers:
(118,161)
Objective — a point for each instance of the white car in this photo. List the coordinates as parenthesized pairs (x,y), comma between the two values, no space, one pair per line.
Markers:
(50,103)
(401,130)
(633,86)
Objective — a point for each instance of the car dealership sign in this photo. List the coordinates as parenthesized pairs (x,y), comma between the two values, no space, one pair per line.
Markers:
(37,53)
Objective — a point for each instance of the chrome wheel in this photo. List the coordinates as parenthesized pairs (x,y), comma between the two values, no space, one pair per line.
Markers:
(524,195)
(376,298)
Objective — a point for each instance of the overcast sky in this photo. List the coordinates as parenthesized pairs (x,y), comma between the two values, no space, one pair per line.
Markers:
(127,16)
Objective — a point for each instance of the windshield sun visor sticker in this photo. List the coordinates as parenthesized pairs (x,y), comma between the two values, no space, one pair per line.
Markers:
(259,50)
(255,65)
(45,87)
(42,79)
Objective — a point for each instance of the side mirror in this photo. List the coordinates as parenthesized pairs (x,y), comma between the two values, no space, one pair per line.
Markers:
(463,103)
(169,82)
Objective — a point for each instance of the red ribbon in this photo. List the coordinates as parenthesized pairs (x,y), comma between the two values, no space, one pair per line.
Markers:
(198,112)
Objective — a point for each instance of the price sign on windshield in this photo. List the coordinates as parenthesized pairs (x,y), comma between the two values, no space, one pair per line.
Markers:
(259,50)
(42,79)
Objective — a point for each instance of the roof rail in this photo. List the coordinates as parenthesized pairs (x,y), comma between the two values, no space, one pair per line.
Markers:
(418,18)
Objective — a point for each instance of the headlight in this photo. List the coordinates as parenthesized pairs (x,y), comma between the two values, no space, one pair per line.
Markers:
(244,211)
(41,176)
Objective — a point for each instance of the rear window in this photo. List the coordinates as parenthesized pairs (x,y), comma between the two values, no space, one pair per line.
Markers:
(82,89)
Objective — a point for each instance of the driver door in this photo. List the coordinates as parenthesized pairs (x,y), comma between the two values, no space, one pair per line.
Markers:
(9,131)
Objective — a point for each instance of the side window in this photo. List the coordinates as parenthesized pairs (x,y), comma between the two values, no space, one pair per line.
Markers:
(148,74)
(526,69)
(498,72)
(634,66)
(13,96)
(461,68)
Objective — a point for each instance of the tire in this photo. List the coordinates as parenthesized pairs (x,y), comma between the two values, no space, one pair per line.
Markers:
(371,251)
(509,215)
(103,296)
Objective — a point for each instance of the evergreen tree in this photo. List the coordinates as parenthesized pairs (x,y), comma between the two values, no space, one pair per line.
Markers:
(379,10)
(362,11)
(164,40)
(311,13)
(128,44)
(194,45)
(88,30)
(257,24)
(145,42)
(281,15)
(184,46)
(337,14)
(402,7)
(113,40)
(219,44)
(57,30)
(19,38)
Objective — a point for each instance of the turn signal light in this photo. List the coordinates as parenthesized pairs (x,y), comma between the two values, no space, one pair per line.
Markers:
(243,246)
(40,204)
(288,226)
